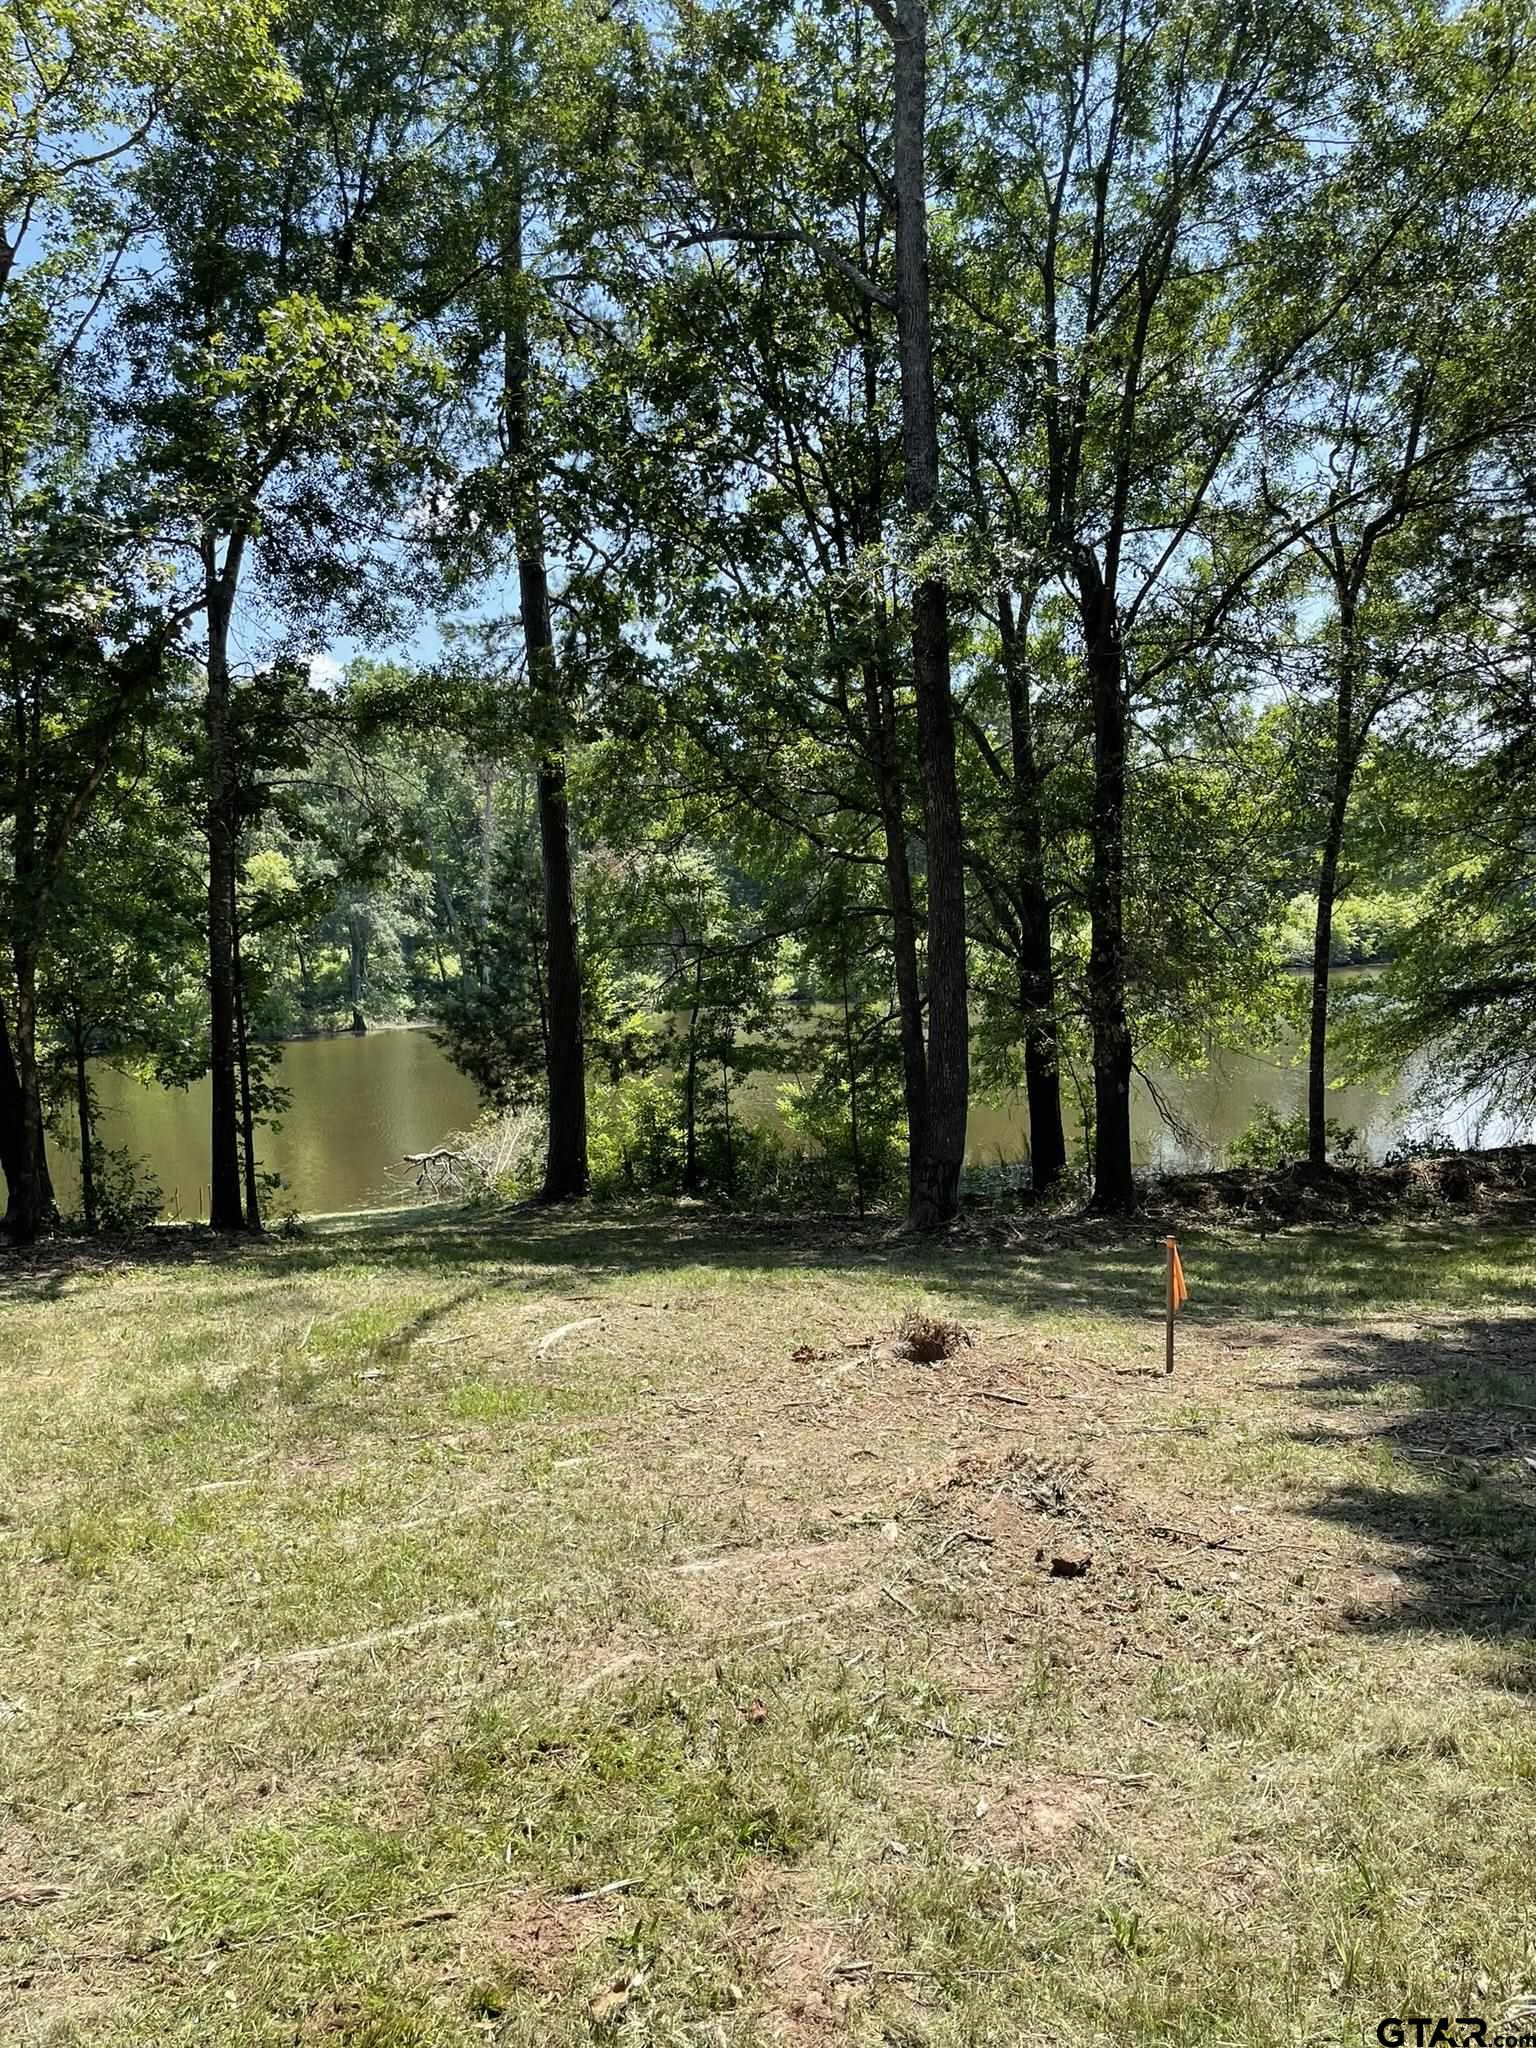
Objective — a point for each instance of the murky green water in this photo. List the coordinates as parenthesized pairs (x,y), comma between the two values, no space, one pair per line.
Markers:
(359,1104)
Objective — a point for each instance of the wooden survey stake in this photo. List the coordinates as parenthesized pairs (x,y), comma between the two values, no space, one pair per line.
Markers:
(1178,1294)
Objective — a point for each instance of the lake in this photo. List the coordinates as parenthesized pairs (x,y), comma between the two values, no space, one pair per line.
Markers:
(359,1104)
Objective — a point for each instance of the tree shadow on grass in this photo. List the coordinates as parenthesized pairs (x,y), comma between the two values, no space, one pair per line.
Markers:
(1400,1354)
(1022,1266)
(1452,1497)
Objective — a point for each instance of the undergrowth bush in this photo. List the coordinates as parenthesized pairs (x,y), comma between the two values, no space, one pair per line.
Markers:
(128,1197)
(637,1145)
(1272,1140)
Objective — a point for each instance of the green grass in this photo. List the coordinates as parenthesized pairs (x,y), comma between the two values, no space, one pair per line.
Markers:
(373,1599)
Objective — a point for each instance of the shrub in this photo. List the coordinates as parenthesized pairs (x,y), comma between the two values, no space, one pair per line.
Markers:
(925,1339)
(128,1197)
(1428,1145)
(1273,1140)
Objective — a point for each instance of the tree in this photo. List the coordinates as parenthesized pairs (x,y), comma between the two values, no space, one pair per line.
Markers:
(941,1154)
(79,666)
(282,403)
(745,189)
(1149,165)
(1427,396)
(86,622)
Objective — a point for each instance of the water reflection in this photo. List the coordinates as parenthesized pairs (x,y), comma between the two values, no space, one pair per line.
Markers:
(359,1104)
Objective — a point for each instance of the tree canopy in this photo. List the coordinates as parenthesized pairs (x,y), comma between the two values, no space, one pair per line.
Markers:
(908,549)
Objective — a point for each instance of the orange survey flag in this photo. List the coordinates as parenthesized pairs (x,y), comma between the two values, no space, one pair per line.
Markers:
(1178,1291)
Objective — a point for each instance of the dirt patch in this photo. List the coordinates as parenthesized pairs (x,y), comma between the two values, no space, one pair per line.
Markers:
(999,1494)
(1045,1548)
(535,1938)
(1029,1823)
(807,1995)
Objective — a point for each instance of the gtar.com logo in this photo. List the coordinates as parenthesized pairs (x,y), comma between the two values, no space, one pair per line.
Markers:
(1469,2030)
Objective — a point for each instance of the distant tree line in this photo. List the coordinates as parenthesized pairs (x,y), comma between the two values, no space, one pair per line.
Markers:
(995,529)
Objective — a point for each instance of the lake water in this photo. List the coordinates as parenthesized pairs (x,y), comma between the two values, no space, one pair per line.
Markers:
(359,1104)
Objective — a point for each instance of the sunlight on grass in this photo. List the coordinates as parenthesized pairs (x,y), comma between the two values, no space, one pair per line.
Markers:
(360,1638)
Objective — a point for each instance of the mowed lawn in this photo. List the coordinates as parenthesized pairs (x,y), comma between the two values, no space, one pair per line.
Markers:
(565,1628)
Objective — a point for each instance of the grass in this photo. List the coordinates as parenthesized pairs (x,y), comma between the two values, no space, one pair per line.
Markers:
(435,1632)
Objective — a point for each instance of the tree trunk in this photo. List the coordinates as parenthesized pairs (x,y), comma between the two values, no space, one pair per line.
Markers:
(940,1154)
(880,718)
(1036,960)
(1114,1189)
(30,1199)
(1328,888)
(38,1202)
(224,1209)
(566,1172)
(691,1087)
(243,1063)
(30,1193)
(357,969)
(13,1149)
(565,1165)
(853,1099)
(87,1124)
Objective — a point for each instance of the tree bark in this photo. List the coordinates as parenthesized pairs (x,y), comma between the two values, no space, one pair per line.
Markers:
(940,1155)
(853,1098)
(565,1166)
(12,1140)
(691,1175)
(880,719)
(1328,885)
(566,1173)
(1036,960)
(243,1065)
(87,1122)
(30,1194)
(30,1198)
(13,1150)
(1114,1188)
(222,826)
(356,972)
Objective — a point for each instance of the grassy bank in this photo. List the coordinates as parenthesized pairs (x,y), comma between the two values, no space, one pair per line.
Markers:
(434,1632)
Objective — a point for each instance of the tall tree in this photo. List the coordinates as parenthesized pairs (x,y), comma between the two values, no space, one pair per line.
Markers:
(566,1172)
(735,179)
(280,399)
(86,623)
(941,1152)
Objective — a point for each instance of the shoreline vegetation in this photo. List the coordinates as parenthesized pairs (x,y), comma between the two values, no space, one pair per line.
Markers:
(1494,1185)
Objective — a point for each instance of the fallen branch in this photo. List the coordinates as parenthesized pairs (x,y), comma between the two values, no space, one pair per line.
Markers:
(603,1891)
(954,1735)
(1194,1536)
(986,1394)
